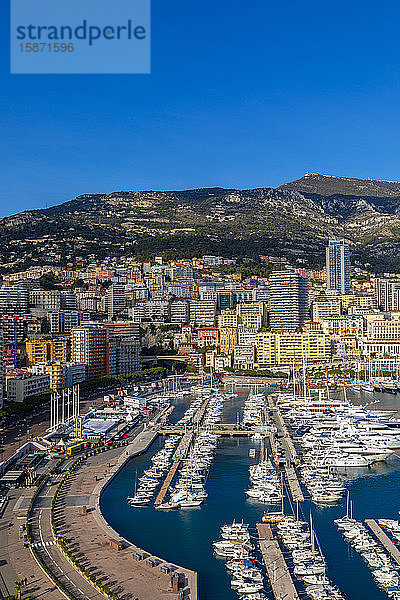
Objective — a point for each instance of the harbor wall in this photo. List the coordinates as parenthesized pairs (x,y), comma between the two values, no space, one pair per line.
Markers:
(135,448)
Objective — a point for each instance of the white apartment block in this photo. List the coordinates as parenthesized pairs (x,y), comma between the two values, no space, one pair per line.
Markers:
(21,386)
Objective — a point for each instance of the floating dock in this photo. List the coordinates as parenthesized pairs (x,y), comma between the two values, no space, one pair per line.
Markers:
(384,539)
(198,417)
(275,565)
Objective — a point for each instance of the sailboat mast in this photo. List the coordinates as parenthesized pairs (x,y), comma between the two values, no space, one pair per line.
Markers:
(294,382)
(312,535)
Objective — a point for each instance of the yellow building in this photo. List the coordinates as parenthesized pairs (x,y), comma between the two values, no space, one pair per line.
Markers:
(285,347)
(37,351)
(266,348)
(45,350)
(251,314)
(227,339)
(316,346)
(57,375)
(361,301)
(228,318)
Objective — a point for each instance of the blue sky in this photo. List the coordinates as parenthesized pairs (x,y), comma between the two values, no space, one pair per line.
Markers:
(241,94)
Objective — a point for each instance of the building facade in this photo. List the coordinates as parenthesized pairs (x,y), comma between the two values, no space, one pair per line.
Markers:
(288,300)
(338,266)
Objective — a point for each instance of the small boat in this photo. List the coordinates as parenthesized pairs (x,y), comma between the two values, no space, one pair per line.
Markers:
(273,517)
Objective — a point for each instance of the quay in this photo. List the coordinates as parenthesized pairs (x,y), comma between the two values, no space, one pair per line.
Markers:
(275,565)
(384,539)
(144,574)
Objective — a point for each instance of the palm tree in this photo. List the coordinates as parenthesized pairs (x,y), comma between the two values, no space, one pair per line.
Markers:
(18,587)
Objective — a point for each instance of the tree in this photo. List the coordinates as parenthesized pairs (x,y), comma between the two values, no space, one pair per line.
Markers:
(48,281)
(18,587)
(79,283)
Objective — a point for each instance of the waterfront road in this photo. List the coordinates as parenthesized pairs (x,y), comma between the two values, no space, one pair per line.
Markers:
(44,544)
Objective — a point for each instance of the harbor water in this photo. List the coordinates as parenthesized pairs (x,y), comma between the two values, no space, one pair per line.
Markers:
(185,536)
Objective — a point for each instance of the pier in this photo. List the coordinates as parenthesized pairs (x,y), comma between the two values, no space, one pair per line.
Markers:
(293,483)
(181,451)
(179,454)
(291,456)
(223,430)
(198,417)
(384,539)
(275,565)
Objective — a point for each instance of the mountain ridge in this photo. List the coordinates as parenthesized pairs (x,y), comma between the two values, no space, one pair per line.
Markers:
(293,220)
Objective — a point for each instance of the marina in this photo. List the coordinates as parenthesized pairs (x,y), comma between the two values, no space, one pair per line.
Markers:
(228,478)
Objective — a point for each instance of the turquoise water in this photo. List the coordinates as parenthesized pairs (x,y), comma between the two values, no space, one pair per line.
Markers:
(185,537)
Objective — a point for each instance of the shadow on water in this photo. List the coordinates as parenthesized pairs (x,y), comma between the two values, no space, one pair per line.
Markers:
(185,537)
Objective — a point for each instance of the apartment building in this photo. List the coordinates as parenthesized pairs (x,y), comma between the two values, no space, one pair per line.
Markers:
(343,325)
(90,346)
(227,339)
(246,336)
(64,321)
(179,311)
(338,266)
(45,299)
(207,336)
(387,294)
(289,300)
(115,299)
(284,348)
(244,357)
(21,385)
(251,314)
(323,309)
(46,350)
(202,312)
(14,299)
(228,318)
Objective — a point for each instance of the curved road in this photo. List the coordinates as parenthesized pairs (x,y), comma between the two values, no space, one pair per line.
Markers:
(44,544)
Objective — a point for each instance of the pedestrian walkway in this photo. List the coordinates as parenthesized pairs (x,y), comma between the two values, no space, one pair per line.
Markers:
(42,544)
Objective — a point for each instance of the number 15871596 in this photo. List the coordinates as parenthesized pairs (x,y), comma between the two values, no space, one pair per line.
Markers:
(46,47)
